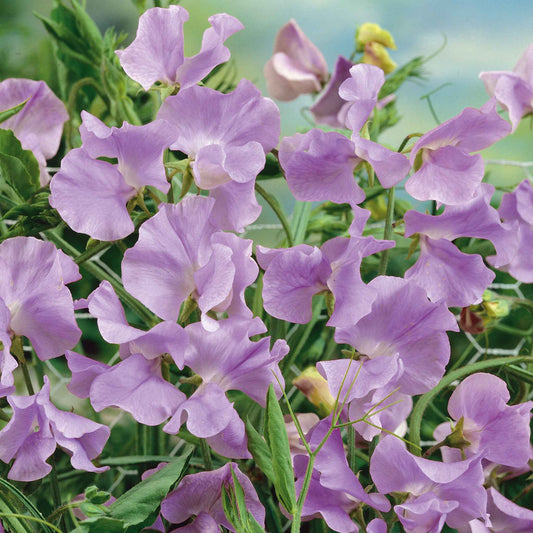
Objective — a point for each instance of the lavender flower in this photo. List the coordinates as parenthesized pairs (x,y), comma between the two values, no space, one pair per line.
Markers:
(513,90)
(445,170)
(495,431)
(92,195)
(180,253)
(37,427)
(297,66)
(199,495)
(39,125)
(438,493)
(156,54)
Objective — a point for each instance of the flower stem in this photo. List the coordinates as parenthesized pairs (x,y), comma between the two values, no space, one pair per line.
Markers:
(276,207)
(387,233)
(18,351)
(56,494)
(297,517)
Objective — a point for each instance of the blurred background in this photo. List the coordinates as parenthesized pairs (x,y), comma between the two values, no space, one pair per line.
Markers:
(474,36)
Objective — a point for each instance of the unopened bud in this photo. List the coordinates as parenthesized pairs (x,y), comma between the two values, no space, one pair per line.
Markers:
(370,32)
(456,438)
(315,388)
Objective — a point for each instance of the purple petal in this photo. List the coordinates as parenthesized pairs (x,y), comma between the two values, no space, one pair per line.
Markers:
(91,197)
(448,175)
(291,280)
(159,269)
(39,125)
(157,51)
(32,288)
(297,66)
(129,384)
(212,53)
(207,412)
(319,166)
(231,441)
(506,515)
(361,90)
(235,206)
(328,107)
(391,167)
(84,372)
(415,330)
(448,274)
(138,149)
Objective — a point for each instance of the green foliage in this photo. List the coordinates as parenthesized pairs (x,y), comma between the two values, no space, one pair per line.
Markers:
(8,113)
(235,508)
(138,507)
(278,442)
(19,170)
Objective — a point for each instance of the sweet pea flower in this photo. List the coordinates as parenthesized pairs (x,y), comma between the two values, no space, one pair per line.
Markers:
(127,384)
(34,300)
(444,271)
(438,493)
(156,54)
(294,275)
(494,430)
(37,427)
(226,359)
(516,213)
(200,495)
(505,516)
(92,195)
(415,333)
(513,90)
(297,66)
(361,91)
(39,124)
(445,169)
(181,253)
(226,137)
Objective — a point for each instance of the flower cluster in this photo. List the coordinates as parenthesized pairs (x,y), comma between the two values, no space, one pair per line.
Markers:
(194,300)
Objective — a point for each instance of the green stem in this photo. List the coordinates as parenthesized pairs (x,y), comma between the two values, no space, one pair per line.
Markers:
(17,350)
(60,510)
(32,519)
(56,494)
(351,449)
(206,454)
(426,399)
(297,517)
(276,207)
(92,251)
(101,274)
(387,233)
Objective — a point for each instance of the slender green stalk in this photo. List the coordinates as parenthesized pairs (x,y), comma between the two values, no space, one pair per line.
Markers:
(56,494)
(206,454)
(297,517)
(387,233)
(276,207)
(31,519)
(92,251)
(351,449)
(17,350)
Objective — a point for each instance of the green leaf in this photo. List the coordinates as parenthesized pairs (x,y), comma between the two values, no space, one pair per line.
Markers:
(278,442)
(136,460)
(18,167)
(412,69)
(99,525)
(259,450)
(7,488)
(8,113)
(299,221)
(136,505)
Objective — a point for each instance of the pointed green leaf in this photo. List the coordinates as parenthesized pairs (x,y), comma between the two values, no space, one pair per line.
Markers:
(18,168)
(8,113)
(278,442)
(259,450)
(136,505)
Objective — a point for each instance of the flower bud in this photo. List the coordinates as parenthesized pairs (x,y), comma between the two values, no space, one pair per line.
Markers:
(315,388)
(374,41)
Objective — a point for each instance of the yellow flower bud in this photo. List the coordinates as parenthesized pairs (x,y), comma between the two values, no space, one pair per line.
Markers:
(315,388)
(373,33)
(376,54)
